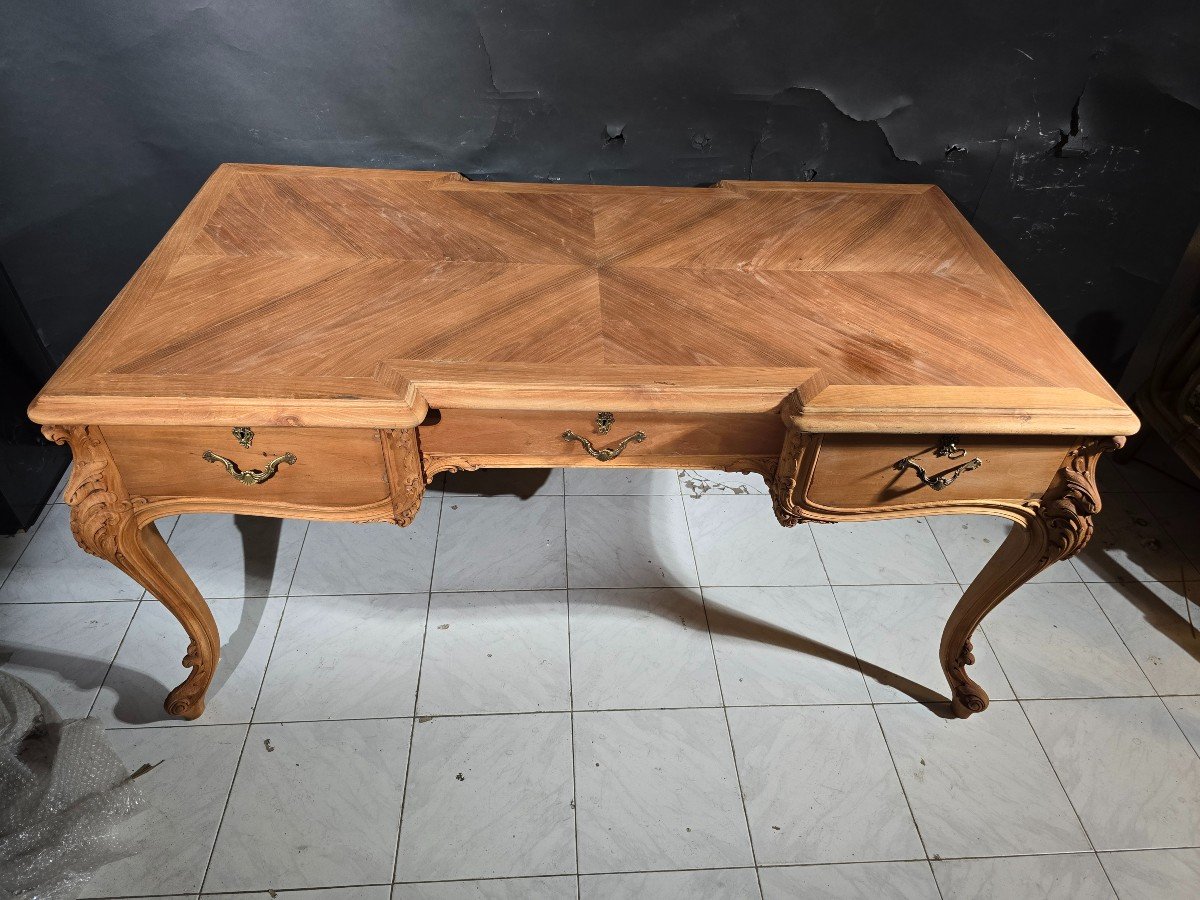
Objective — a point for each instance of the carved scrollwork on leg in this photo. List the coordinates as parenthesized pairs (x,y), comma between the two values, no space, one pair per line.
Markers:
(402,457)
(104,521)
(187,699)
(967,697)
(1067,508)
(98,505)
(787,478)
(1053,528)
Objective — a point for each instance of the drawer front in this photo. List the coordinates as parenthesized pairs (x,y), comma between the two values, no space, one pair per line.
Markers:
(854,471)
(524,438)
(334,467)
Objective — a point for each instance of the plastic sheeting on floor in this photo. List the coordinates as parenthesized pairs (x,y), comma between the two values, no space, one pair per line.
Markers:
(64,799)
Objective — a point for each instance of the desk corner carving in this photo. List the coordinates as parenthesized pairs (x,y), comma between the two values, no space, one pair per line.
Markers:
(406,478)
(99,505)
(1067,508)
(795,464)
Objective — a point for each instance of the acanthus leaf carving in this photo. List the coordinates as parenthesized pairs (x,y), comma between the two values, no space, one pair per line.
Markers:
(406,478)
(1068,507)
(441,463)
(99,504)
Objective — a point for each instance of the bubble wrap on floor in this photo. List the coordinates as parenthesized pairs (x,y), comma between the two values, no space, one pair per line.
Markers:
(64,799)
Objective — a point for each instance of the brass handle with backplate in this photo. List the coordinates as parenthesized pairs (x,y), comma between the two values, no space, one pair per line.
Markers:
(605,454)
(250,476)
(945,479)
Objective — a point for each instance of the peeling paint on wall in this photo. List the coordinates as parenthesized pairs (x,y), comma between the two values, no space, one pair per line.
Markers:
(1067,136)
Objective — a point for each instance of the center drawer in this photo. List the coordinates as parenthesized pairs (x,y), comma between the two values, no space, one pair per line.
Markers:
(335,467)
(535,438)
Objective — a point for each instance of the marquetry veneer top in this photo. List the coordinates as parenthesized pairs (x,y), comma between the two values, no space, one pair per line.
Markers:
(352,297)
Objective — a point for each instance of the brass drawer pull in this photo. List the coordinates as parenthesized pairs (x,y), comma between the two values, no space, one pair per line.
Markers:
(944,480)
(605,453)
(250,476)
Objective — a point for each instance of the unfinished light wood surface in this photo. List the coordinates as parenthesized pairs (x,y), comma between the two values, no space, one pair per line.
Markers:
(377,327)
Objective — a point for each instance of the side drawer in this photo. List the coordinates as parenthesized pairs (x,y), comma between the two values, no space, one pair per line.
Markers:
(856,471)
(333,467)
(534,438)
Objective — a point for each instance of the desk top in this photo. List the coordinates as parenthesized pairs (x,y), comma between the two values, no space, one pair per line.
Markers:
(353,297)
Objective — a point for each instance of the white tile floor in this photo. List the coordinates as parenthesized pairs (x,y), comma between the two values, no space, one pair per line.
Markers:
(635,684)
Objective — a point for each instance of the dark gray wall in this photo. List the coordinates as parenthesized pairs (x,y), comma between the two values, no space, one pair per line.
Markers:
(1067,132)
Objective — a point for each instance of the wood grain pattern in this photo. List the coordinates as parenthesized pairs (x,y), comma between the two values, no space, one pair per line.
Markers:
(385,326)
(339,297)
(535,439)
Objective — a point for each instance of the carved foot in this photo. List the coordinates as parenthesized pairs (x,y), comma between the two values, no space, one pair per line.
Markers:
(967,696)
(187,700)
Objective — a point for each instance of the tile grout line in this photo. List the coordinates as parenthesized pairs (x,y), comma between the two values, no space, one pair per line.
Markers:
(1186,557)
(1186,605)
(942,550)
(1029,721)
(1142,669)
(1037,737)
(588,712)
(813,865)
(571,692)
(412,733)
(875,712)
(144,594)
(33,532)
(721,691)
(1195,747)
(732,748)
(249,725)
(1121,637)
(137,605)
(808,865)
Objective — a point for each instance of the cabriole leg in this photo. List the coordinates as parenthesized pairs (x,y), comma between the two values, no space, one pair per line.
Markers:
(1019,558)
(1056,527)
(104,520)
(148,560)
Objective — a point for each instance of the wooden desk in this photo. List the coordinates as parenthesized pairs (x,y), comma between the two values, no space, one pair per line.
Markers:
(319,343)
